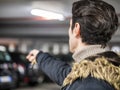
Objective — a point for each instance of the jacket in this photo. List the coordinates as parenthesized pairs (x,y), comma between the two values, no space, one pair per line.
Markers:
(58,70)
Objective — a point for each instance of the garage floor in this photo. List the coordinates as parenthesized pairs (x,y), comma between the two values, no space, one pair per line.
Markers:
(44,86)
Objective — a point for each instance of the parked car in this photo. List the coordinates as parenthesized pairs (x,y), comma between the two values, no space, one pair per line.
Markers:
(8,76)
(27,72)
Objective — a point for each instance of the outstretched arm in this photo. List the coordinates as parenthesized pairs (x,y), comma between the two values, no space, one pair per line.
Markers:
(56,69)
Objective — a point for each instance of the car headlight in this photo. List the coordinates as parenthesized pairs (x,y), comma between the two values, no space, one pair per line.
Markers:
(21,69)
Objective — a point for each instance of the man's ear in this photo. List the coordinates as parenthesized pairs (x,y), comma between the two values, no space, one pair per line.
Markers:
(76,30)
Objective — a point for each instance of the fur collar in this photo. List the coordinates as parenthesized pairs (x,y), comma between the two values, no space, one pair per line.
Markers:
(100,68)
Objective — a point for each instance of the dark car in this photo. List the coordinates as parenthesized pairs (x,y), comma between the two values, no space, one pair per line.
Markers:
(27,72)
(8,76)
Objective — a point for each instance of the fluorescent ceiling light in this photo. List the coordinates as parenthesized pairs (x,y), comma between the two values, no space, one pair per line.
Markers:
(47,14)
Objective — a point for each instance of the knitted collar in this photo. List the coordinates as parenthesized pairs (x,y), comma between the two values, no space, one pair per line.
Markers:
(88,51)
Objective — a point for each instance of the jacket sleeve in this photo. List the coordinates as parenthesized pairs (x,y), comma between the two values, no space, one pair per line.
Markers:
(55,69)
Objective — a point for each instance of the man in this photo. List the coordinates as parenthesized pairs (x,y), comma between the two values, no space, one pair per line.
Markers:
(92,25)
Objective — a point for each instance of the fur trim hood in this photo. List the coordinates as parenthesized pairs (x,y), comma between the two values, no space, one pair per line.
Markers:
(100,68)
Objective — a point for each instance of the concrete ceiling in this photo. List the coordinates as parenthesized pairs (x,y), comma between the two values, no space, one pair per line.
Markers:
(22,8)
(18,11)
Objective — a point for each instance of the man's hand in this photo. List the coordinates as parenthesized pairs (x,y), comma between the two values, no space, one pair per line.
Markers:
(32,56)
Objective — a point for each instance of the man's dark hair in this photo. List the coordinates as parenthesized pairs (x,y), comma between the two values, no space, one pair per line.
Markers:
(98,21)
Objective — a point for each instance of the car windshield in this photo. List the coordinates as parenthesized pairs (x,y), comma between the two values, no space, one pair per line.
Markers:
(4,56)
(1,56)
(23,58)
(7,57)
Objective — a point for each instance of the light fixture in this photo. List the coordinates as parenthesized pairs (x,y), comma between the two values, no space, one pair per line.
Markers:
(47,14)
